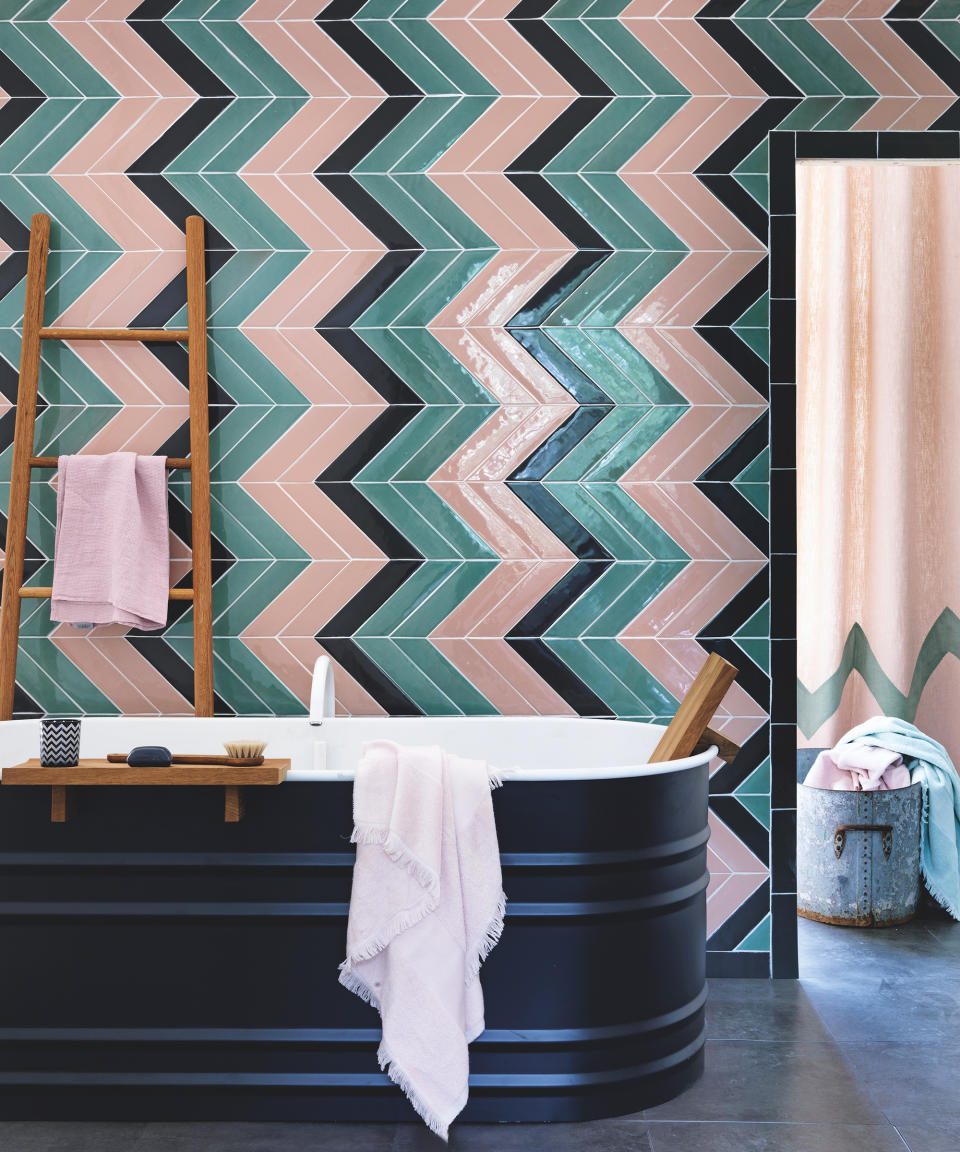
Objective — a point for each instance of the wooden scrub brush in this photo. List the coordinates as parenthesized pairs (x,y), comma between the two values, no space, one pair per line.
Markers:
(249,750)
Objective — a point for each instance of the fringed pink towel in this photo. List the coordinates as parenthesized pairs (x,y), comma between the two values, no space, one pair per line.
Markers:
(426,908)
(858,767)
(111,560)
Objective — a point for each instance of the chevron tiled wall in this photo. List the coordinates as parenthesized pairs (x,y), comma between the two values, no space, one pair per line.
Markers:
(489,344)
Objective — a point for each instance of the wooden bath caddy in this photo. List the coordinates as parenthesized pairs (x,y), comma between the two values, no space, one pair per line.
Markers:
(102,773)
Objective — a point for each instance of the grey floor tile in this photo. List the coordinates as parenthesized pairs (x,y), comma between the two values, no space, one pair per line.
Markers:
(762,1010)
(943,1137)
(240,1137)
(693,1137)
(910,1082)
(829,952)
(598,1136)
(68,1136)
(877,1008)
(763,1081)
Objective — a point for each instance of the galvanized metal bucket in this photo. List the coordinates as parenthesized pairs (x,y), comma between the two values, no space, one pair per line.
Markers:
(858,855)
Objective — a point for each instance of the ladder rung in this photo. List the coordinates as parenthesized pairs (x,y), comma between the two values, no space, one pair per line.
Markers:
(38,593)
(168,335)
(52,462)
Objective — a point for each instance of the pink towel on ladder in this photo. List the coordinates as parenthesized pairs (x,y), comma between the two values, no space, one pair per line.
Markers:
(426,908)
(111,561)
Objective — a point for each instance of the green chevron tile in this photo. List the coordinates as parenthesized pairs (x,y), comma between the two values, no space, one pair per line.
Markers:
(615,54)
(644,687)
(242,668)
(648,225)
(461,540)
(586,664)
(647,275)
(444,132)
(582,349)
(598,134)
(222,214)
(757,315)
(758,339)
(56,683)
(637,439)
(222,285)
(757,783)
(267,429)
(942,10)
(37,10)
(604,217)
(654,113)
(427,72)
(259,131)
(598,521)
(227,588)
(810,112)
(758,939)
(654,539)
(579,462)
(457,225)
(197,156)
(587,607)
(267,71)
(456,686)
(649,584)
(410,596)
(436,451)
(393,349)
(772,42)
(237,604)
(757,625)
(266,272)
(443,56)
(595,286)
(758,470)
(391,458)
(44,194)
(244,528)
(845,114)
(407,211)
(237,193)
(407,519)
(83,115)
(461,583)
(758,495)
(75,280)
(229,68)
(756,186)
(51,63)
(947,32)
(758,651)
(66,429)
(460,270)
(66,379)
(418,686)
(758,806)
(421,118)
(437,361)
(626,359)
(242,370)
(825,57)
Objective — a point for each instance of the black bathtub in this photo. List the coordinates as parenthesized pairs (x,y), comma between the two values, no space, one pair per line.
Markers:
(156,962)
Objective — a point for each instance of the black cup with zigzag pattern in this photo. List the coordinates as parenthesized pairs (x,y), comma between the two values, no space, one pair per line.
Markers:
(59,743)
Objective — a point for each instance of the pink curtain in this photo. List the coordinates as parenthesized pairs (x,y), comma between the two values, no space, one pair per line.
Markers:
(878,443)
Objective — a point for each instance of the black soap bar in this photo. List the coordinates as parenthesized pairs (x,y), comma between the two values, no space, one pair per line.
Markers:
(149,756)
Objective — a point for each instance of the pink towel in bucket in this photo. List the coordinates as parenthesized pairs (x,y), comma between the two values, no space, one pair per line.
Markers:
(426,908)
(111,561)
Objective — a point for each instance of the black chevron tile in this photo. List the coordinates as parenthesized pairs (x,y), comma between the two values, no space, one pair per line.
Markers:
(377,126)
(541,192)
(741,452)
(558,53)
(373,60)
(369,211)
(570,123)
(177,56)
(370,520)
(755,63)
(732,617)
(12,232)
(931,50)
(369,599)
(16,111)
(382,429)
(560,522)
(737,199)
(580,386)
(744,825)
(177,208)
(739,356)
(369,289)
(162,152)
(568,686)
(379,375)
(729,777)
(371,678)
(738,508)
(171,666)
(732,306)
(548,610)
(750,676)
(546,299)
(546,457)
(742,141)
(16,83)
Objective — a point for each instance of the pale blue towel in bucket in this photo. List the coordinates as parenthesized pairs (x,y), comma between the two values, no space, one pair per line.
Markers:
(932,769)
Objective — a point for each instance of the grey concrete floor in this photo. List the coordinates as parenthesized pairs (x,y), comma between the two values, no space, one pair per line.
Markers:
(862,1055)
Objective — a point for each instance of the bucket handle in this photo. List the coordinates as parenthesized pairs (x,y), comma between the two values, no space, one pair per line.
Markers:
(840,836)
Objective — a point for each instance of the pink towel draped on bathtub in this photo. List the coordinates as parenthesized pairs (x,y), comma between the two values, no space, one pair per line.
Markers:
(858,767)
(111,561)
(426,908)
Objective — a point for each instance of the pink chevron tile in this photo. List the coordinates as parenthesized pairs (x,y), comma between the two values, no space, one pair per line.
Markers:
(543,234)
(103,56)
(668,203)
(690,53)
(277,194)
(470,347)
(923,114)
(737,888)
(306,518)
(698,438)
(863,56)
(94,199)
(128,285)
(706,514)
(337,525)
(533,584)
(89,658)
(663,303)
(352,698)
(493,297)
(534,427)
(289,50)
(469,40)
(465,618)
(484,677)
(346,74)
(688,118)
(702,202)
(131,673)
(312,366)
(496,138)
(912,70)
(731,850)
(485,211)
(516,672)
(703,295)
(882,115)
(520,60)
(688,654)
(311,445)
(143,430)
(712,366)
(660,615)
(491,524)
(309,135)
(691,382)
(334,595)
(121,40)
(294,601)
(705,603)
(722,120)
(311,289)
(278,659)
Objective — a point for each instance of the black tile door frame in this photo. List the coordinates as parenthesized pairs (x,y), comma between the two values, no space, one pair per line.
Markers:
(785,148)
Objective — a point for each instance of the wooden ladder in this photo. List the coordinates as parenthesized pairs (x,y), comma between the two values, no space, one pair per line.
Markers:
(198,463)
